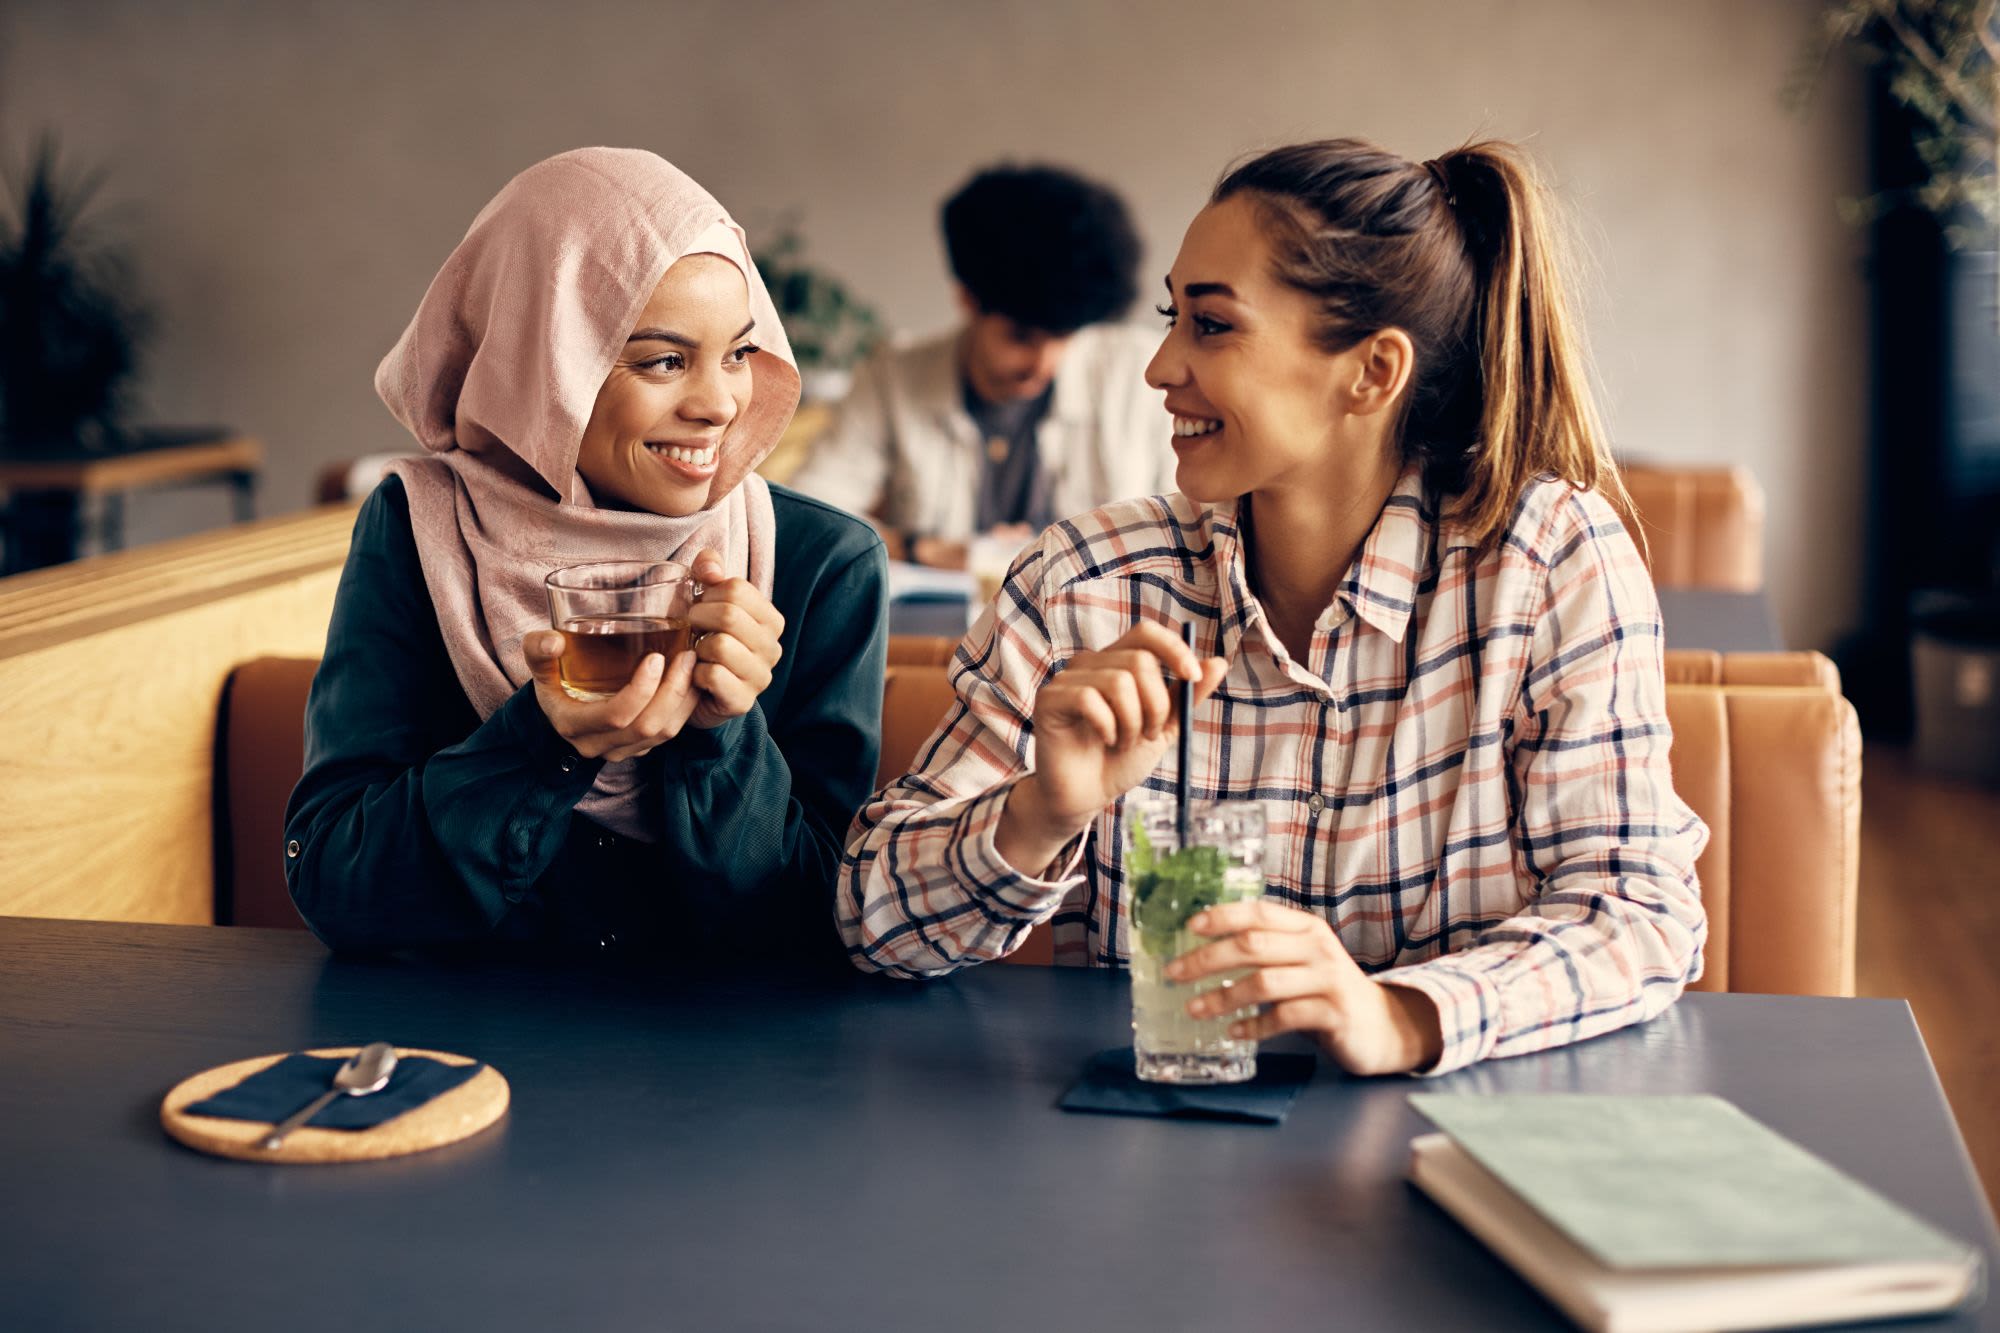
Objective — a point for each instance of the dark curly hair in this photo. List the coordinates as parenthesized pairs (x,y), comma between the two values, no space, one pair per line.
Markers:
(1042,246)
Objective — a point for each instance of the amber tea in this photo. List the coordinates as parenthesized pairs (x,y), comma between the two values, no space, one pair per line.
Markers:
(612,615)
(600,653)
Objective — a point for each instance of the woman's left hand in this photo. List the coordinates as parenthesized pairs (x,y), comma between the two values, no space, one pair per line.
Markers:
(737,643)
(1307,982)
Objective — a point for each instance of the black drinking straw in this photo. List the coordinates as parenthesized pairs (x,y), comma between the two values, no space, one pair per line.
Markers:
(1187,730)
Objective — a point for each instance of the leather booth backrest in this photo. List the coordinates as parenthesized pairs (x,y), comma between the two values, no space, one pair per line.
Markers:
(1775,772)
(1702,667)
(916,698)
(921,650)
(1769,755)
(260,752)
(1704,526)
(1765,750)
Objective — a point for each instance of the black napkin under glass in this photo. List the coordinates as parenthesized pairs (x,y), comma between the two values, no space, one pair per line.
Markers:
(272,1094)
(1109,1086)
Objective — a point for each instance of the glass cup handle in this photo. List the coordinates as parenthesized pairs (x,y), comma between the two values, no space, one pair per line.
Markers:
(695,636)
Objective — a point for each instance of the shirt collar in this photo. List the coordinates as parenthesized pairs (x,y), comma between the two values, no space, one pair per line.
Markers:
(1234,602)
(1381,586)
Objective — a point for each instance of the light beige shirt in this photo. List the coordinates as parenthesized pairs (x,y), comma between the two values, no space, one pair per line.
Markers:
(902,448)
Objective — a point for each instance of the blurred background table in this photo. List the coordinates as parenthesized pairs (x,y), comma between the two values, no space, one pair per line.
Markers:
(47,517)
(1720,620)
(839,1151)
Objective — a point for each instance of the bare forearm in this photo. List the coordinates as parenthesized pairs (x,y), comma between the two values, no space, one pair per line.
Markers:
(1029,837)
(1418,1039)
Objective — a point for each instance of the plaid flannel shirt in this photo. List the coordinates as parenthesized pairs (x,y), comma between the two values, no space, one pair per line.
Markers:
(1467,778)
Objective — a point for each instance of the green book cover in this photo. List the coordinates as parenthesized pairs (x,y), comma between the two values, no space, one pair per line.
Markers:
(1678,1182)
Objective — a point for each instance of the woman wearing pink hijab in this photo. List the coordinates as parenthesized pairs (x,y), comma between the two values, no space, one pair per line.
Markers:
(594,374)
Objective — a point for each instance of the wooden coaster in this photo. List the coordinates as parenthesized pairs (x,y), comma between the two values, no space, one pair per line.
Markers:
(458,1114)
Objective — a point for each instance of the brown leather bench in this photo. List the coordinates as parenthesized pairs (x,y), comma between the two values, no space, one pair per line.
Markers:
(260,752)
(1704,526)
(1765,749)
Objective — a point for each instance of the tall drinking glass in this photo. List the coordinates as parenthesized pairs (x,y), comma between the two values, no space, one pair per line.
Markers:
(612,614)
(1167,884)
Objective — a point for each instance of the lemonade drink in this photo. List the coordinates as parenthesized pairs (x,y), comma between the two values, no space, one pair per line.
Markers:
(1167,884)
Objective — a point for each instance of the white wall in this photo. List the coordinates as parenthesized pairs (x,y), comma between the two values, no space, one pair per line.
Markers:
(291,175)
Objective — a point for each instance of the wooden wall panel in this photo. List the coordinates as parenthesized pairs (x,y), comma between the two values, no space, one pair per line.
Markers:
(111,673)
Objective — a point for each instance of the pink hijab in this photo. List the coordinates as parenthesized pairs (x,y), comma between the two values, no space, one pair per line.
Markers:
(496,377)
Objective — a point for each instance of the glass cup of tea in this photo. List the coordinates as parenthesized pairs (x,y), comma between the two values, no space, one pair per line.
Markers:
(612,614)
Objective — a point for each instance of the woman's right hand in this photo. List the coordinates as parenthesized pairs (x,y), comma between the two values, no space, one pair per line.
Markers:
(650,711)
(1102,724)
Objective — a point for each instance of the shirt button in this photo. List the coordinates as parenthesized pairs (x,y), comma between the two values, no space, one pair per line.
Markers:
(608,942)
(1316,803)
(568,764)
(292,848)
(606,840)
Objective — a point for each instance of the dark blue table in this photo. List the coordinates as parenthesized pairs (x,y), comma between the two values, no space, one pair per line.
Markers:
(838,1152)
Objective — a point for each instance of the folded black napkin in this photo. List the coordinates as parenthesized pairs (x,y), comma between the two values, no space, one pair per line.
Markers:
(274,1093)
(1108,1085)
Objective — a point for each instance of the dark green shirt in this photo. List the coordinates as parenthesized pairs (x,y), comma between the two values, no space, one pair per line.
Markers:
(419,825)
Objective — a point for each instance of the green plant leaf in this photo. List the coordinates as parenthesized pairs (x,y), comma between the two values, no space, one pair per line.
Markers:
(827,325)
(70,326)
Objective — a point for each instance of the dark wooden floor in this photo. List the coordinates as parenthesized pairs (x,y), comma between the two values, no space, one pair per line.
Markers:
(1930,929)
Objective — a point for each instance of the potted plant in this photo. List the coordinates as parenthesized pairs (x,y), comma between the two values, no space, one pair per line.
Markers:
(70,324)
(829,327)
(1941,61)
(1936,488)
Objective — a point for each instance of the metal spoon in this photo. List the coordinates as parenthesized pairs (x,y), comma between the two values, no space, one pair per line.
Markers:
(366,1071)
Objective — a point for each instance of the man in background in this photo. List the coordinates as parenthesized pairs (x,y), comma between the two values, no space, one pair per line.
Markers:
(1034,408)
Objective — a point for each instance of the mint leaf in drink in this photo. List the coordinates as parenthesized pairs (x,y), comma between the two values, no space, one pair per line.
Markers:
(1170,890)
(1142,847)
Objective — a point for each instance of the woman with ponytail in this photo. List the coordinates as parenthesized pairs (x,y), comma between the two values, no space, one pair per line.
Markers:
(1423,639)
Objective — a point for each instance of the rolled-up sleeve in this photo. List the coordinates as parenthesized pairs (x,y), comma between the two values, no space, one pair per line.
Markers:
(924,889)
